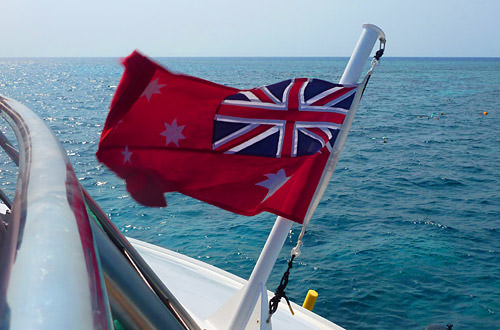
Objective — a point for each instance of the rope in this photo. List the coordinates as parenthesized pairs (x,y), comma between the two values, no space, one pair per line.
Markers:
(280,293)
(375,61)
(296,250)
(381,49)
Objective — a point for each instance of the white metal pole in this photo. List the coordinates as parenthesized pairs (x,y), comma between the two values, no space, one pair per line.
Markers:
(361,52)
(261,272)
(352,72)
(282,226)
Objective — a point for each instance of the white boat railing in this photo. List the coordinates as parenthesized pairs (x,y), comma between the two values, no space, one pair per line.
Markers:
(48,252)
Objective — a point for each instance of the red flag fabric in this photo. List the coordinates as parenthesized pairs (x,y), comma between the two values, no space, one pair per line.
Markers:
(246,151)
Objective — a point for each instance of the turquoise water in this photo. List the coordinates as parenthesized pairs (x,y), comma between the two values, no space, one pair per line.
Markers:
(408,232)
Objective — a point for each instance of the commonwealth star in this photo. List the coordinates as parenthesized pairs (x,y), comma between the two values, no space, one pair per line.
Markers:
(273,182)
(126,155)
(173,133)
(153,88)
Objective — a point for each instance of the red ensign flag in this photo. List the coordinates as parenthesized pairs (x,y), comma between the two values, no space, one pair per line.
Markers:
(246,151)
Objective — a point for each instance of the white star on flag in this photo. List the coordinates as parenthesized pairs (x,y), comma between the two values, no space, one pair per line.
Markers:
(273,182)
(173,133)
(126,155)
(153,88)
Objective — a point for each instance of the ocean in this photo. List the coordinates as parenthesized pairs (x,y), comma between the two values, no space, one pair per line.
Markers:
(408,231)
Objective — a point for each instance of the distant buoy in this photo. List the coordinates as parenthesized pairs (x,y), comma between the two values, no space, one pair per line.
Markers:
(485,113)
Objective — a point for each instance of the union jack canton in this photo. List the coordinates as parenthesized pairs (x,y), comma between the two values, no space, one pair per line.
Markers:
(295,117)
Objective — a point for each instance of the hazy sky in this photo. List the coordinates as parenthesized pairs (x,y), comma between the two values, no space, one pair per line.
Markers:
(33,28)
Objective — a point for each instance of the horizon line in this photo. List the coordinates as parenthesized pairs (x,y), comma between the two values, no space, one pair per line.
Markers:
(250,56)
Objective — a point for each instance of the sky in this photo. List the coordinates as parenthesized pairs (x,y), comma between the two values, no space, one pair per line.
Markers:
(101,28)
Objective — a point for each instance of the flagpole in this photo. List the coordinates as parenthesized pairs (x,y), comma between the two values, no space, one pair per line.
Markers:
(369,35)
(260,274)
(360,54)
(237,317)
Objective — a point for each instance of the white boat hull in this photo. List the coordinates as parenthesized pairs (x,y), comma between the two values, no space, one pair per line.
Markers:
(202,288)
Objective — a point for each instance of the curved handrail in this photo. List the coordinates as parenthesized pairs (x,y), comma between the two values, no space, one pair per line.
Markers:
(48,247)
(127,266)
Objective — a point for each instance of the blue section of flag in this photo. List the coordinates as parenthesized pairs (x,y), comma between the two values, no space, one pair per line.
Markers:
(238,97)
(265,147)
(308,145)
(223,129)
(278,89)
(317,86)
(334,136)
